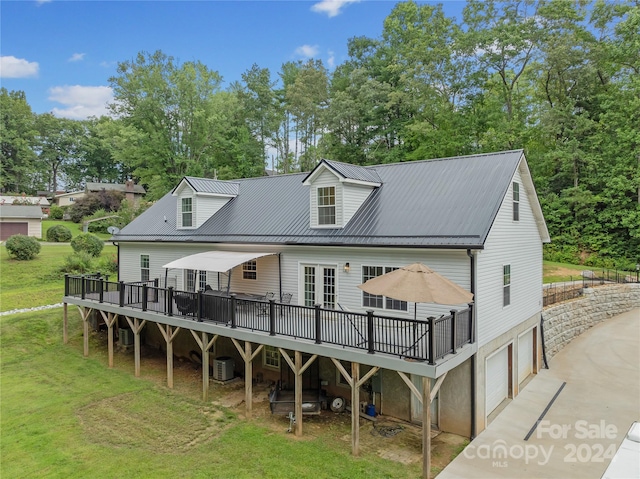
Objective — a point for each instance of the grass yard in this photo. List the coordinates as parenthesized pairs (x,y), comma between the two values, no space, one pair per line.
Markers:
(75,228)
(63,415)
(558,272)
(25,284)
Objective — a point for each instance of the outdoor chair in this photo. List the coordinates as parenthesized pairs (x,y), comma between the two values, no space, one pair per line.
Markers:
(185,304)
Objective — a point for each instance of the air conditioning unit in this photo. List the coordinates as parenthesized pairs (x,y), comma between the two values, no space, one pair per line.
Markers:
(125,336)
(223,368)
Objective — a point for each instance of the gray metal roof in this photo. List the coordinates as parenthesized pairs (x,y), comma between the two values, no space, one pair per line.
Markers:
(20,211)
(208,185)
(448,202)
(353,172)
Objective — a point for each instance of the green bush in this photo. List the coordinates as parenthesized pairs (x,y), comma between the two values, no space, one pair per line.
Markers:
(55,212)
(59,234)
(107,264)
(79,262)
(22,247)
(88,243)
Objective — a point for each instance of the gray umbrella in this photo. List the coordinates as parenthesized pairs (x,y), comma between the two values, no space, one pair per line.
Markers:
(419,284)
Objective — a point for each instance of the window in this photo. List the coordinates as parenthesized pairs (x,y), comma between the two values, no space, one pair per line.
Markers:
(516,201)
(250,270)
(187,210)
(380,302)
(190,280)
(144,267)
(271,357)
(506,281)
(327,205)
(72,199)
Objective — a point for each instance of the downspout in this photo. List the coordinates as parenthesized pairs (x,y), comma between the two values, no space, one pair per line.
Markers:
(117,245)
(472,272)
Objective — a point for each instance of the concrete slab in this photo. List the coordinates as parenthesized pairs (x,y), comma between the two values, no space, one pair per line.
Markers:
(585,424)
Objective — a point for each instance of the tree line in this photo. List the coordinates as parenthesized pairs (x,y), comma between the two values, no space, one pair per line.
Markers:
(558,78)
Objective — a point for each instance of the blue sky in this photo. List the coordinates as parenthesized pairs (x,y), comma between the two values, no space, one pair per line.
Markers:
(62,53)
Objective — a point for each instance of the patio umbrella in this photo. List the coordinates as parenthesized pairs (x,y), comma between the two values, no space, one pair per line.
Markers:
(419,284)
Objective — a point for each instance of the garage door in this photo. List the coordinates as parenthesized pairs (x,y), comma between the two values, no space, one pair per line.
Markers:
(497,381)
(525,356)
(10,229)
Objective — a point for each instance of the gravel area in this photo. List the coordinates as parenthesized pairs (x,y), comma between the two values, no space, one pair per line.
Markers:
(26,310)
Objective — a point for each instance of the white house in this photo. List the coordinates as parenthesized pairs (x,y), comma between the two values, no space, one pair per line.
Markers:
(314,237)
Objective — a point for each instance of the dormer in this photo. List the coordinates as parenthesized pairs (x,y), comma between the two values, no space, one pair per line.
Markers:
(336,192)
(199,199)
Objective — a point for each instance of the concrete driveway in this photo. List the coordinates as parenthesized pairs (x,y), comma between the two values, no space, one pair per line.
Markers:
(596,384)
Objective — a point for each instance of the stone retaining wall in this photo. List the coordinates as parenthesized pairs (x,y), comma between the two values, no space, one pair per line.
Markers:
(565,321)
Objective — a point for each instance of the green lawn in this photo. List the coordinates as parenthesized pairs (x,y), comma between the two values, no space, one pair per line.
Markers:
(66,416)
(75,228)
(25,284)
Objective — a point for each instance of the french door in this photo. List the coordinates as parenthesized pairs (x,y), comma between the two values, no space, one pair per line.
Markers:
(319,285)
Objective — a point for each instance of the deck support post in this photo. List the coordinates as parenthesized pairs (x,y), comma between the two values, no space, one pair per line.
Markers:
(205,347)
(65,323)
(247,356)
(298,369)
(168,333)
(136,326)
(355,409)
(425,398)
(109,320)
(84,314)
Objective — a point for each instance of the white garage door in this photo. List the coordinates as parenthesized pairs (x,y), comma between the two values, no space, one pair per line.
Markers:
(525,356)
(497,381)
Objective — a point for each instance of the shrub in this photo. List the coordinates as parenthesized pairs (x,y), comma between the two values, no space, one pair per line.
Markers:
(88,243)
(92,202)
(107,264)
(22,247)
(79,262)
(55,212)
(59,234)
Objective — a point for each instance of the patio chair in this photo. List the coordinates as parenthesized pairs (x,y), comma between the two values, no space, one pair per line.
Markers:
(185,304)
(285,298)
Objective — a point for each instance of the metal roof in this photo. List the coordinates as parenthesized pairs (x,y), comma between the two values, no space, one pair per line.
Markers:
(352,172)
(114,187)
(208,185)
(449,202)
(20,211)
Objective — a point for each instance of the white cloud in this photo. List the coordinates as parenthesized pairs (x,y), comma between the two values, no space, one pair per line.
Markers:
(81,101)
(76,57)
(331,61)
(12,67)
(40,2)
(331,7)
(307,51)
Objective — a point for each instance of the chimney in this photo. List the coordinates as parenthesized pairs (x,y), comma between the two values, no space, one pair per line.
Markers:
(128,187)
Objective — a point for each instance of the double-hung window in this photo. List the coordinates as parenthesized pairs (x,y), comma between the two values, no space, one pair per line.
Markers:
(187,212)
(516,201)
(327,205)
(144,267)
(375,301)
(250,270)
(506,284)
(271,357)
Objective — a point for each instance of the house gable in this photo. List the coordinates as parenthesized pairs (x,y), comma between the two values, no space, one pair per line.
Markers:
(198,199)
(337,191)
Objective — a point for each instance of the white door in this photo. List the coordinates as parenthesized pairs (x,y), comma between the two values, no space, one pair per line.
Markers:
(416,406)
(497,379)
(319,285)
(525,356)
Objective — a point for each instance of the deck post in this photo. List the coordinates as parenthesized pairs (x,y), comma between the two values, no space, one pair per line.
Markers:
(169,357)
(145,296)
(85,327)
(109,319)
(298,393)
(136,327)
(121,291)
(101,290)
(65,320)
(370,333)
(472,327)
(453,330)
(431,354)
(318,324)
(248,377)
(355,409)
(83,287)
(66,284)
(232,311)
(272,317)
(170,301)
(205,366)
(426,427)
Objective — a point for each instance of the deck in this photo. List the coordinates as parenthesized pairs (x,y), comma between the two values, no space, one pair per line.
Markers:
(427,340)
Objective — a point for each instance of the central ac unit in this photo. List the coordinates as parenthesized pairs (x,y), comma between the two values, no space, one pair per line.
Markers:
(223,368)
(125,336)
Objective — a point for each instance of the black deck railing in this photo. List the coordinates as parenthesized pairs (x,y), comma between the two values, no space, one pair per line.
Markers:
(425,340)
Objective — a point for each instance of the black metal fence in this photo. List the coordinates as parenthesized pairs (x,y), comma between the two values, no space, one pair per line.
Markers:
(574,288)
(424,340)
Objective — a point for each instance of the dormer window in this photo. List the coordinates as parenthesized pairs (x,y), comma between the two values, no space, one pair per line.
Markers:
(327,205)
(187,212)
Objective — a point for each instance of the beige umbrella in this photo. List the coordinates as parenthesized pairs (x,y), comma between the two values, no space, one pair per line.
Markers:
(419,284)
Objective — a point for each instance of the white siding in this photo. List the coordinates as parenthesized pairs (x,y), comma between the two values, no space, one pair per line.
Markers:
(207,206)
(517,243)
(352,199)
(452,264)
